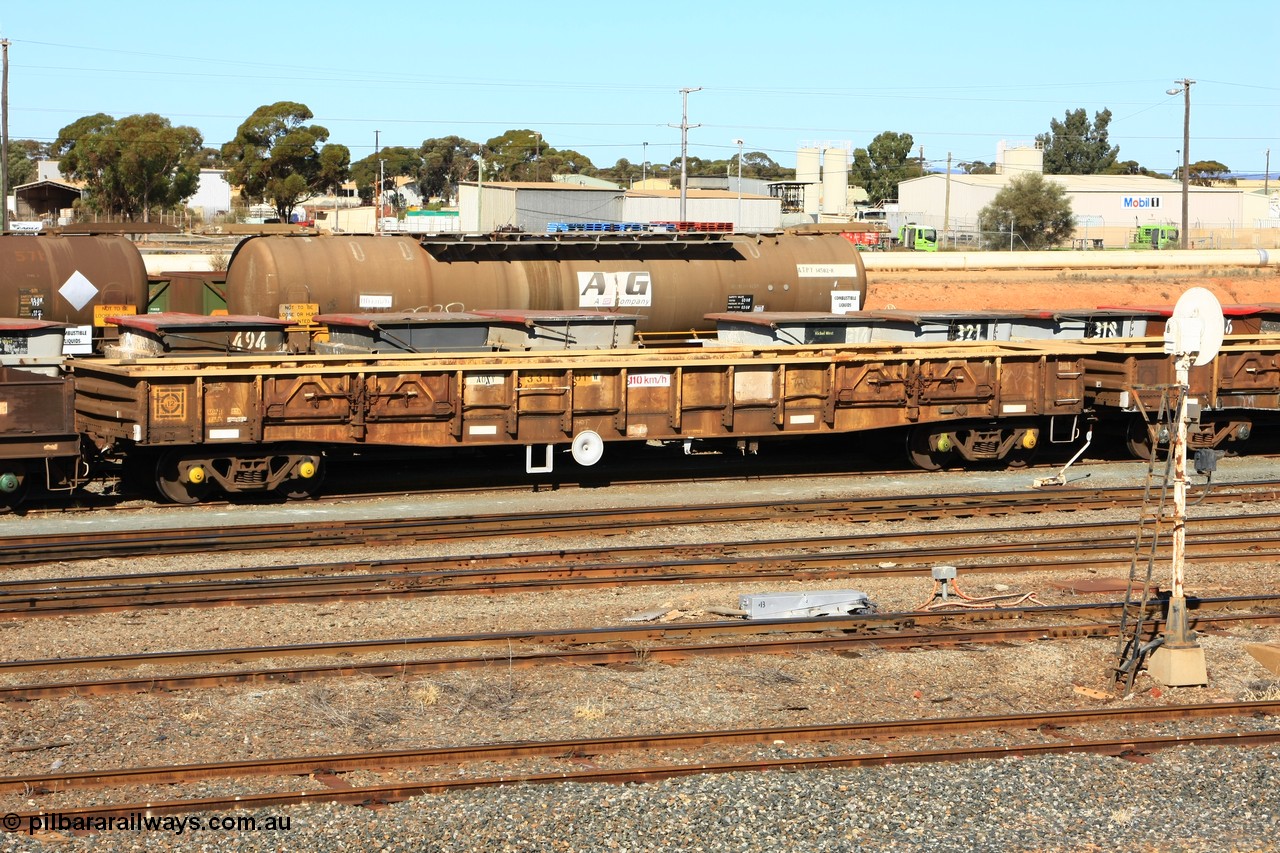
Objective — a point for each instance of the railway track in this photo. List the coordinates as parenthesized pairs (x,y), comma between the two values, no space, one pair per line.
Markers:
(27,550)
(1052,548)
(1051,726)
(615,645)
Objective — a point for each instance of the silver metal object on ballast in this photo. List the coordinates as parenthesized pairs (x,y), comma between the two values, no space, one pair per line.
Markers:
(798,605)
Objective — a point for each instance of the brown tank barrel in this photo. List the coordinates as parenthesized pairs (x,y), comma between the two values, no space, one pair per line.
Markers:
(671,282)
(64,278)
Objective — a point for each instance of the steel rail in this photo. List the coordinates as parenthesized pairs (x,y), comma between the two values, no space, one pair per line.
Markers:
(16,551)
(382,794)
(578,748)
(637,649)
(1042,538)
(28,601)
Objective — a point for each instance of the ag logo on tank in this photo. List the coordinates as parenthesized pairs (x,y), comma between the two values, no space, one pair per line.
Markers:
(614,290)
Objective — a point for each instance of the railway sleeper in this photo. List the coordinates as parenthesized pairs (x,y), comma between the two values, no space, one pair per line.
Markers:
(188,476)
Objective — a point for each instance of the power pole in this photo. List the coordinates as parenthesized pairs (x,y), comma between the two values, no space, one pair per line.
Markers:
(1184,88)
(684,148)
(4,138)
(946,205)
(377,206)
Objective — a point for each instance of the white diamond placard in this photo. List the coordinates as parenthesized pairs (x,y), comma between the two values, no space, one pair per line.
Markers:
(78,290)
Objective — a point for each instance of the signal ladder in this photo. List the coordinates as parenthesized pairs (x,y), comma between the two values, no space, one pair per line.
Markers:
(1138,626)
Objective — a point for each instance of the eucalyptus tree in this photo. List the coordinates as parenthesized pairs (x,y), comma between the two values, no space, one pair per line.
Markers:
(1075,146)
(277,157)
(394,161)
(883,164)
(133,165)
(446,162)
(1031,210)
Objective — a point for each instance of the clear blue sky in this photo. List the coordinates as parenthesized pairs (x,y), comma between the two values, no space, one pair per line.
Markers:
(603,78)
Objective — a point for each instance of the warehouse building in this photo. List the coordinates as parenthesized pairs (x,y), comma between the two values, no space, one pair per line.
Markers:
(533,207)
(1107,208)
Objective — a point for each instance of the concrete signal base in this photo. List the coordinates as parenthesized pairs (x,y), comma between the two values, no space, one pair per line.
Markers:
(1178,666)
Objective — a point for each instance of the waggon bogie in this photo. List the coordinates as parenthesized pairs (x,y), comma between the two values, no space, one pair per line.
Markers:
(937,446)
(190,475)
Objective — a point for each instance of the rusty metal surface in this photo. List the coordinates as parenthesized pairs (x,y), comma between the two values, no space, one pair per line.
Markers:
(432,756)
(37,416)
(395,792)
(1245,375)
(585,647)
(35,269)
(673,282)
(535,398)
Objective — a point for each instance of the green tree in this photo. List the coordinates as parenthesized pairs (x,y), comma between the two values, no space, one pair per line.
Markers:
(23,154)
(396,162)
(1132,167)
(134,165)
(211,158)
(884,164)
(84,154)
(446,162)
(511,156)
(159,164)
(277,157)
(978,167)
(1076,147)
(757,164)
(1206,173)
(1036,210)
(525,155)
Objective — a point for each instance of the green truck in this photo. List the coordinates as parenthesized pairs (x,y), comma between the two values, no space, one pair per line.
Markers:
(912,236)
(1155,237)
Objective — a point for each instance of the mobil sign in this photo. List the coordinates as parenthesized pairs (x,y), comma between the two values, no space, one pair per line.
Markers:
(1136,202)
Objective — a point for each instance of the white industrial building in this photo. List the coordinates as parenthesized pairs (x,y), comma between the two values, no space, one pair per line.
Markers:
(533,206)
(212,198)
(1106,207)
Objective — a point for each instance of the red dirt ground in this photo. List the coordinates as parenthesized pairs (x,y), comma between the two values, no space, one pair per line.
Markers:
(1032,289)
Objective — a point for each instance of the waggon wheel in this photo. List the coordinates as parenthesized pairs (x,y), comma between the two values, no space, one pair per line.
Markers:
(1138,439)
(922,455)
(1020,455)
(173,487)
(302,488)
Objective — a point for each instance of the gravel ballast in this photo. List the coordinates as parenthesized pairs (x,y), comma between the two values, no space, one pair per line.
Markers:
(1188,799)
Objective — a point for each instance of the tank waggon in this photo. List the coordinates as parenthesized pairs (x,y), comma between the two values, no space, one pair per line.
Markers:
(77,279)
(672,280)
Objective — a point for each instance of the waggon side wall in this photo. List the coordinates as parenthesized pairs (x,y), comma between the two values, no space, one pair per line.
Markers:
(37,416)
(535,398)
(1244,375)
